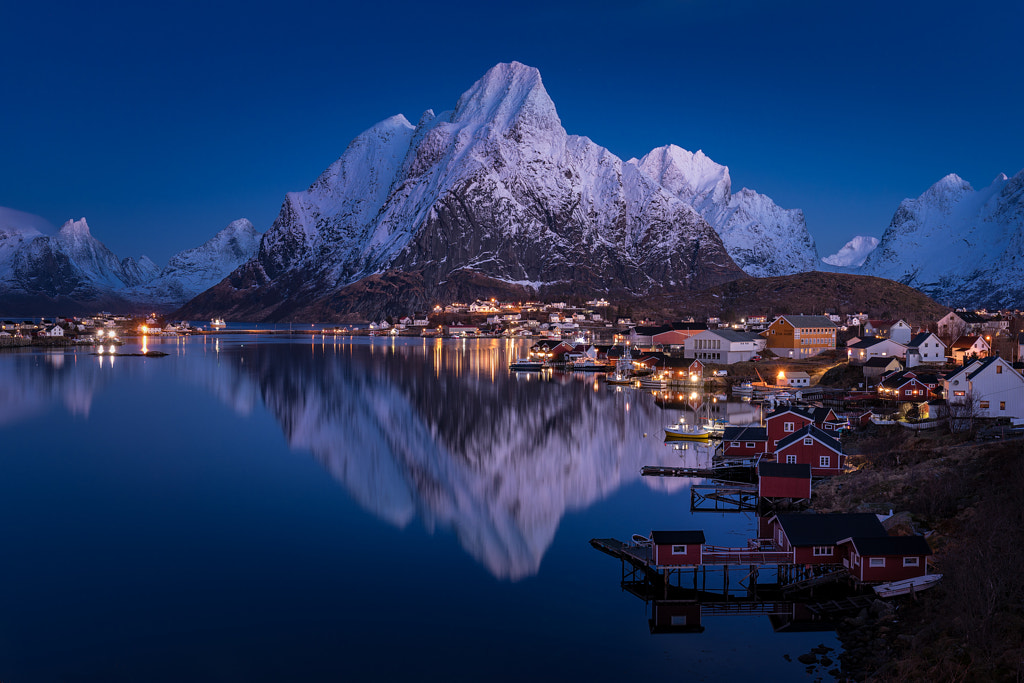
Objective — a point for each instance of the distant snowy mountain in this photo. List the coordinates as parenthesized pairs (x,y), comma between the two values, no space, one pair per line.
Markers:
(72,272)
(853,252)
(493,197)
(959,245)
(762,238)
(194,270)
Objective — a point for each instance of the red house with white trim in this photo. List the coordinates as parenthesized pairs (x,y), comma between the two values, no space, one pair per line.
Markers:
(814,538)
(811,446)
(776,480)
(889,558)
(744,442)
(678,547)
(784,421)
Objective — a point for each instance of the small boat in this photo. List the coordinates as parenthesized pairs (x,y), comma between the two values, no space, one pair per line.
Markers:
(743,389)
(218,323)
(680,431)
(526,365)
(619,377)
(715,427)
(640,539)
(907,586)
(588,365)
(654,382)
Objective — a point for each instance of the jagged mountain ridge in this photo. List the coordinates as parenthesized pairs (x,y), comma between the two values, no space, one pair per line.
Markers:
(762,238)
(72,272)
(494,194)
(959,245)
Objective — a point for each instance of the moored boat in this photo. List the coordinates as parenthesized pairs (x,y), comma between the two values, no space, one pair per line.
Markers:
(527,365)
(680,431)
(907,586)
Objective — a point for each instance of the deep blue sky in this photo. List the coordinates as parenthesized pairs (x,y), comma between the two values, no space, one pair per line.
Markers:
(161,123)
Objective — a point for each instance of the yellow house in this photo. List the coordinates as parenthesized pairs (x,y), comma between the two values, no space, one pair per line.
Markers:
(800,336)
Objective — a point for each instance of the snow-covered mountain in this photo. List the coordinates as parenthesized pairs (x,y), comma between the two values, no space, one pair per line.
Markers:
(492,196)
(853,252)
(73,272)
(959,245)
(192,271)
(762,238)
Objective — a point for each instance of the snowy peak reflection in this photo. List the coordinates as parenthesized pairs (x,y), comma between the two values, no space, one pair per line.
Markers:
(444,433)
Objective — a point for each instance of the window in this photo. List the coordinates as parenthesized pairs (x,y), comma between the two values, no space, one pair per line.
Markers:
(983,405)
(790,459)
(877,562)
(959,393)
(824,461)
(808,441)
(911,561)
(1002,405)
(751,444)
(823,551)
(999,369)
(735,444)
(679,550)
(787,427)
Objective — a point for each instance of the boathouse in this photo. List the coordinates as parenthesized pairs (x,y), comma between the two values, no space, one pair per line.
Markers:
(885,558)
(814,538)
(812,446)
(744,442)
(677,547)
(775,480)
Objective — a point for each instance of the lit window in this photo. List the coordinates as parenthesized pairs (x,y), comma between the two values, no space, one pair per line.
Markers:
(1002,405)
(984,405)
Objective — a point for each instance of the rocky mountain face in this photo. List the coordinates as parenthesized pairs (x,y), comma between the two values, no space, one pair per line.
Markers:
(762,238)
(492,198)
(853,253)
(71,272)
(959,245)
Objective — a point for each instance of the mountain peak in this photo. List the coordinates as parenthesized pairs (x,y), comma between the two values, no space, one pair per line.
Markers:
(507,95)
(73,227)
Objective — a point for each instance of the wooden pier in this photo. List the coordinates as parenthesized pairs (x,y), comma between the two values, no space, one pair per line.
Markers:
(721,472)
(723,496)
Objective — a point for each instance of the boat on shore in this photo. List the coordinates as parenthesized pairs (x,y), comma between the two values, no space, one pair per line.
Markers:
(907,586)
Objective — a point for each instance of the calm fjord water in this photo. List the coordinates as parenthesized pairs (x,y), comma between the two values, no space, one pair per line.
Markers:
(268,509)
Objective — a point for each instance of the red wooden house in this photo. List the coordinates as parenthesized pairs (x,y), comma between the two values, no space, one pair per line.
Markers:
(744,442)
(814,538)
(696,368)
(908,386)
(888,558)
(678,547)
(811,446)
(675,616)
(783,421)
(776,480)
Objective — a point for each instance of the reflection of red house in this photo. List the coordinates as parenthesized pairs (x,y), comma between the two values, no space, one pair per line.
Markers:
(814,538)
(678,547)
(670,616)
(783,481)
(888,558)
(744,442)
(811,446)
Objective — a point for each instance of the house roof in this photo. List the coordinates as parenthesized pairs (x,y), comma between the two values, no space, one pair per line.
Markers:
(735,335)
(889,545)
(813,432)
(882,362)
(971,318)
(982,365)
(745,434)
(677,537)
(966,341)
(802,321)
(868,342)
(817,529)
(782,410)
(777,469)
(921,338)
(797,375)
(898,379)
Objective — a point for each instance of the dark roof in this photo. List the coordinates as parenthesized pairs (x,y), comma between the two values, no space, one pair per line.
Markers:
(984,364)
(898,379)
(735,335)
(812,431)
(803,412)
(688,326)
(745,434)
(677,537)
(648,331)
(816,529)
(777,469)
(882,361)
(868,342)
(971,318)
(966,341)
(820,413)
(890,545)
(920,339)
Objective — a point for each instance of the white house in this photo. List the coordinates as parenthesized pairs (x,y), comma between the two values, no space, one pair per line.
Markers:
(793,379)
(723,346)
(897,330)
(925,348)
(969,345)
(55,331)
(993,383)
(873,347)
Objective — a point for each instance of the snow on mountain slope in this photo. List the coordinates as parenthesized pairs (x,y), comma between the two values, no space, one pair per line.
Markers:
(762,238)
(495,188)
(853,252)
(191,271)
(960,245)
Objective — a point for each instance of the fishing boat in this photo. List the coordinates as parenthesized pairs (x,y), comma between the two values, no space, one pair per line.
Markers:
(620,377)
(218,323)
(743,389)
(715,428)
(526,365)
(907,586)
(680,431)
